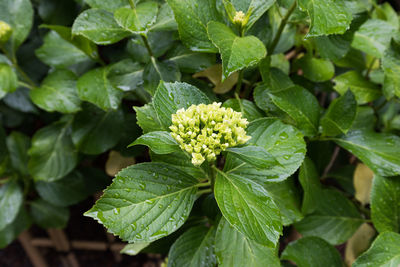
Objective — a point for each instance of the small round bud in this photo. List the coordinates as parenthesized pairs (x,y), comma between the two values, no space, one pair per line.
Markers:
(239,17)
(5,32)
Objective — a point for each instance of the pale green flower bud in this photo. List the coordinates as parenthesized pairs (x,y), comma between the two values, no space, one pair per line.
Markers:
(204,131)
(5,32)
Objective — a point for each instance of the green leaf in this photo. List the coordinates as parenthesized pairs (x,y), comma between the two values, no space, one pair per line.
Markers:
(165,19)
(315,69)
(12,230)
(310,183)
(192,17)
(364,90)
(46,215)
(107,5)
(18,145)
(248,207)
(301,106)
(160,142)
(327,16)
(236,52)
(335,219)
(134,248)
(250,110)
(385,203)
(52,154)
(254,155)
(194,248)
(391,68)
(99,26)
(64,192)
(137,20)
(312,251)
(95,88)
(95,131)
(190,62)
(147,118)
(379,151)
(19,15)
(145,202)
(156,71)
(126,75)
(10,203)
(384,251)
(235,249)
(333,47)
(283,141)
(287,197)
(373,37)
(58,52)
(3,145)
(58,92)
(8,80)
(340,115)
(170,97)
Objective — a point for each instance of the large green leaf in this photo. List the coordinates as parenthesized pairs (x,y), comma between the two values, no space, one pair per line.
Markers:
(137,20)
(373,37)
(385,203)
(310,183)
(94,87)
(46,215)
(315,69)
(126,75)
(312,252)
(335,46)
(301,106)
(236,52)
(235,249)
(248,207)
(364,90)
(156,71)
(379,151)
(147,118)
(391,68)
(170,97)
(52,154)
(19,15)
(58,92)
(107,5)
(18,145)
(340,115)
(12,230)
(165,19)
(254,155)
(8,80)
(283,141)
(146,202)
(384,252)
(99,26)
(10,203)
(250,110)
(334,220)
(160,142)
(327,16)
(192,17)
(194,248)
(94,131)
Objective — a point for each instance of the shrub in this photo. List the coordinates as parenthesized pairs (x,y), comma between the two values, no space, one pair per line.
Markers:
(263,119)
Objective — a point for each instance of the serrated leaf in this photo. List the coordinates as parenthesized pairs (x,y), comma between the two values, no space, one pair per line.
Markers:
(52,154)
(95,88)
(312,251)
(58,92)
(160,142)
(333,47)
(146,202)
(256,8)
(283,141)
(8,80)
(254,155)
(99,26)
(11,198)
(194,248)
(236,52)
(391,68)
(170,97)
(192,17)
(248,207)
(376,150)
(364,90)
(134,248)
(385,203)
(165,19)
(147,118)
(46,215)
(340,115)
(107,5)
(137,20)
(384,251)
(235,249)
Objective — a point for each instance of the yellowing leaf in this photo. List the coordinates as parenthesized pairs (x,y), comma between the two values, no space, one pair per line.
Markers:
(358,243)
(362,180)
(214,74)
(117,162)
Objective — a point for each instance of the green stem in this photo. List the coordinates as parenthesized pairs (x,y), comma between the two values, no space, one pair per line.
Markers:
(132,4)
(208,183)
(25,85)
(284,21)
(147,45)
(371,65)
(239,82)
(240,103)
(205,191)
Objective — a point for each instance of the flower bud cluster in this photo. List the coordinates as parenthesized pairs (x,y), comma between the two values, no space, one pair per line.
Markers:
(205,131)
(239,17)
(5,32)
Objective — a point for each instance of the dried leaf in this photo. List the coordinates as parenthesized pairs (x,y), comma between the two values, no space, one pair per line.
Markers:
(214,74)
(362,180)
(117,162)
(358,243)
